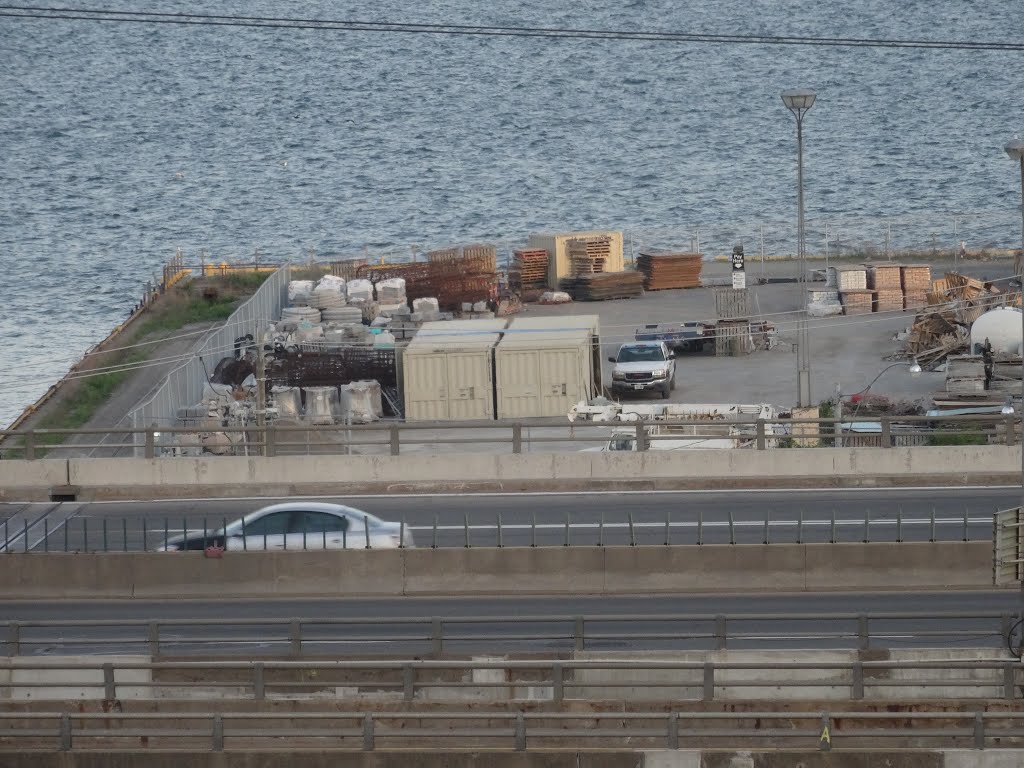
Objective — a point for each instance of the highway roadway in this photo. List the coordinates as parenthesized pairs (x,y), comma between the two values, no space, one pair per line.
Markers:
(552,519)
(404,626)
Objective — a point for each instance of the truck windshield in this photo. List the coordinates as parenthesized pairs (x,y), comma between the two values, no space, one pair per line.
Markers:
(640,355)
(621,444)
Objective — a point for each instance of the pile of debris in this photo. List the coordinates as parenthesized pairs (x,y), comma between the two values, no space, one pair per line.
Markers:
(954,302)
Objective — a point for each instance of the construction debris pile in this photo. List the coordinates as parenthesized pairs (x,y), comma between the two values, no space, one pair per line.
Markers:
(670,270)
(952,305)
(604,286)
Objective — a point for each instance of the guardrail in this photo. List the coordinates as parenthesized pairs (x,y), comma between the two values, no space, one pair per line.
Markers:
(536,679)
(438,635)
(142,533)
(518,731)
(542,435)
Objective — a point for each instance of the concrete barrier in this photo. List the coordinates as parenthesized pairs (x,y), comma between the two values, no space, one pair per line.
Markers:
(507,571)
(31,480)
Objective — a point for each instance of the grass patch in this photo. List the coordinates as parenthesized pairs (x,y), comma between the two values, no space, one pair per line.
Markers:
(965,438)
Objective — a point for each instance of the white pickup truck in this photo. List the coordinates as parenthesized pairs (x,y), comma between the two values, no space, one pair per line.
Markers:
(644,366)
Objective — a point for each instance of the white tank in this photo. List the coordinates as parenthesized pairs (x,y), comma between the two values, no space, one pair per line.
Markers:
(1002,327)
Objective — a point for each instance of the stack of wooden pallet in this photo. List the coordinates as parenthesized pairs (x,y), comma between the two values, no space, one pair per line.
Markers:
(589,256)
(530,266)
(886,282)
(601,287)
(670,270)
(916,281)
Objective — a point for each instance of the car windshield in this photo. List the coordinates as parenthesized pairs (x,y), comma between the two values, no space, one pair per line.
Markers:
(640,355)
(621,444)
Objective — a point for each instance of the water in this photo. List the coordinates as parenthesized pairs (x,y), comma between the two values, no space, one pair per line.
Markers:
(123,142)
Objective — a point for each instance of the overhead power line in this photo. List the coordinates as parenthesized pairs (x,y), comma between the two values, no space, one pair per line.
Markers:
(393,27)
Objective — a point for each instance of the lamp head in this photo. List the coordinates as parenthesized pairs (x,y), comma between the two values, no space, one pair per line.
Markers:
(1007,409)
(799,101)
(1015,148)
(915,368)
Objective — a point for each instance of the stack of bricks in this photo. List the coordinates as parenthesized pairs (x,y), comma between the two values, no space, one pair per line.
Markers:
(886,282)
(852,283)
(916,282)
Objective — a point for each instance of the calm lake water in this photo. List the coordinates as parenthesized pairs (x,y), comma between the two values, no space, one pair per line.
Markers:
(123,142)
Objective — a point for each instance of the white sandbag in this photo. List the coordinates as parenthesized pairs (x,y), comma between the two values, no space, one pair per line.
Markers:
(288,401)
(384,339)
(361,402)
(322,405)
(555,297)
(391,291)
(219,394)
(824,308)
(299,288)
(331,281)
(359,291)
(428,304)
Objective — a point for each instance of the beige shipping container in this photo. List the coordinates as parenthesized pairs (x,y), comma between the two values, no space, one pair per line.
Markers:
(559,262)
(545,365)
(448,370)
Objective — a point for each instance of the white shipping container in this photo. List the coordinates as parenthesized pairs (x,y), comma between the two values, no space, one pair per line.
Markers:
(448,370)
(546,365)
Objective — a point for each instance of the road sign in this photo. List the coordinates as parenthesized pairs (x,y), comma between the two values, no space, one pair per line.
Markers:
(739,280)
(737,258)
(1008,546)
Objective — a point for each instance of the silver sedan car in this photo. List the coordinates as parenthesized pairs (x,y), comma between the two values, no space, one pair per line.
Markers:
(298,525)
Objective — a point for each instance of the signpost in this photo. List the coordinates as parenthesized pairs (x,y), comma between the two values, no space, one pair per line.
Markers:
(739,275)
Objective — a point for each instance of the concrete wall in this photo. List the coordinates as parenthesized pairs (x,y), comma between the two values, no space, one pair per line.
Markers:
(233,476)
(507,571)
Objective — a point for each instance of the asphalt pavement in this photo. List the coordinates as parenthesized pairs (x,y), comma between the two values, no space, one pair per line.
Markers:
(552,519)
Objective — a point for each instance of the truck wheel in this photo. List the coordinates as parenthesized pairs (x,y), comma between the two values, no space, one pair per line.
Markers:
(672,383)
(665,391)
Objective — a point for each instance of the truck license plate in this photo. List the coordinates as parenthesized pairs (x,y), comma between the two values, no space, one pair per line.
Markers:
(638,386)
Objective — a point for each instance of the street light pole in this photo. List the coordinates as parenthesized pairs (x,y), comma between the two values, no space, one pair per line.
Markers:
(799,103)
(1015,149)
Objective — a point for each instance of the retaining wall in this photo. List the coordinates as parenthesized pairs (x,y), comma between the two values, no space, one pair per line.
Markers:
(303,475)
(506,571)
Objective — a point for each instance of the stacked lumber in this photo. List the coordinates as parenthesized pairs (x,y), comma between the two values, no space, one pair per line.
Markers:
(604,286)
(530,267)
(857,302)
(589,256)
(888,299)
(885,277)
(965,375)
(916,281)
(670,270)
(732,303)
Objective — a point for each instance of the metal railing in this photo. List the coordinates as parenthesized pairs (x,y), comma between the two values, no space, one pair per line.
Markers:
(538,436)
(518,731)
(145,532)
(536,679)
(438,635)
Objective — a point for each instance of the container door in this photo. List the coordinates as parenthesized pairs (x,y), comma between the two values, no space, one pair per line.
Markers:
(471,390)
(426,387)
(518,384)
(559,381)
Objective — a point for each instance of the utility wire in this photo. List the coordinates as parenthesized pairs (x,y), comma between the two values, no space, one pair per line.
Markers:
(390,27)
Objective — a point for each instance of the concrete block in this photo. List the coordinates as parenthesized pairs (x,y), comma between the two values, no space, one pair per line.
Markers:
(508,571)
(898,566)
(511,468)
(670,758)
(907,684)
(779,684)
(31,480)
(709,568)
(31,677)
(989,758)
(66,575)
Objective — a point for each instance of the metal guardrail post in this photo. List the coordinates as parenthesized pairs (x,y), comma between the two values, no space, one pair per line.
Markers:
(886,432)
(259,681)
(14,639)
(632,532)
(500,543)
(65,732)
(760,443)
(557,683)
(1009,674)
(867,525)
(30,445)
(857,688)
(408,682)
(437,635)
(1011,431)
(153,631)
(709,681)
(673,730)
(641,436)
(863,633)
(520,733)
(217,736)
(270,441)
(517,438)
(825,740)
(578,636)
(931,528)
(368,741)
(721,640)
(150,443)
(109,688)
(979,731)
(295,636)
(396,446)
